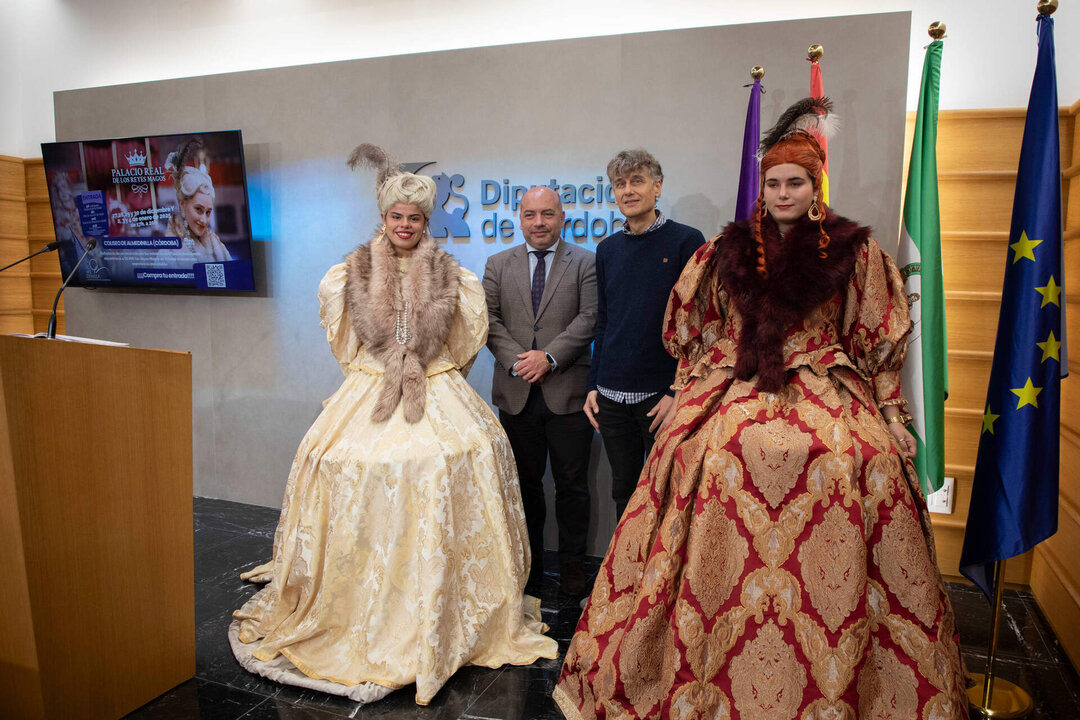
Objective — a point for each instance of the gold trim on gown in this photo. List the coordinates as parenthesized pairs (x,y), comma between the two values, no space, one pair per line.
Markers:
(776,561)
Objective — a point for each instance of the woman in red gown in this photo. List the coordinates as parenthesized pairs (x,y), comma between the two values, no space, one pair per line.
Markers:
(776,561)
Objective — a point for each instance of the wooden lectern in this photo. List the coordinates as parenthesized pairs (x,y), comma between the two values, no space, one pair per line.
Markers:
(97,604)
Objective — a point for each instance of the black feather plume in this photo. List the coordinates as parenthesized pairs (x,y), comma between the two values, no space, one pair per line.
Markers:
(803,115)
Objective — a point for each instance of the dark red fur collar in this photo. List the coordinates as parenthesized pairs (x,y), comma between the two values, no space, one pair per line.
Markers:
(799,280)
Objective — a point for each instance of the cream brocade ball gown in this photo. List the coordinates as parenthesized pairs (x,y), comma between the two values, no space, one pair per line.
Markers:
(401,553)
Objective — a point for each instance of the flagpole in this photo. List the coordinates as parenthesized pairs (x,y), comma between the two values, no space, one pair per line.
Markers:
(814,53)
(749,176)
(1022,453)
(925,376)
(995,633)
(991,696)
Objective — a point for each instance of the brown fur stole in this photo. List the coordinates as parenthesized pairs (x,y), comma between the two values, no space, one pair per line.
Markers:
(799,280)
(373,297)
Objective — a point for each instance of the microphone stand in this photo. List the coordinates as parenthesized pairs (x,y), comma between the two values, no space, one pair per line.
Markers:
(48,248)
(91,243)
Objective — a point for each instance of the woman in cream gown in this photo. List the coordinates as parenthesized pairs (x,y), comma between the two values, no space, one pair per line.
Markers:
(401,553)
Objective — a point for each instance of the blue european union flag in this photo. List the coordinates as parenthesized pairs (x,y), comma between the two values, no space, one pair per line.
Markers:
(1014,500)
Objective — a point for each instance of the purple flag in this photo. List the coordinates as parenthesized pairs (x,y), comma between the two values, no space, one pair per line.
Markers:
(748,174)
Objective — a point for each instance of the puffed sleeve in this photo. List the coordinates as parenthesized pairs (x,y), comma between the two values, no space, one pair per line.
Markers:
(344,343)
(469,329)
(693,318)
(877,322)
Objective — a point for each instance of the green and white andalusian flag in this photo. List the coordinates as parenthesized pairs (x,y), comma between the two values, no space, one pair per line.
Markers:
(926,372)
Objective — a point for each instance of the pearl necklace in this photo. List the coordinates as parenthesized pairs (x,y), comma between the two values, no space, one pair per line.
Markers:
(401,326)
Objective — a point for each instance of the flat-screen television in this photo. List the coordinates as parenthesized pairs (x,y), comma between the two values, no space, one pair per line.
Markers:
(166,211)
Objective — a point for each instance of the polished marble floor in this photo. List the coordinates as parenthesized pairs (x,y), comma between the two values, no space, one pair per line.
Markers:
(230,537)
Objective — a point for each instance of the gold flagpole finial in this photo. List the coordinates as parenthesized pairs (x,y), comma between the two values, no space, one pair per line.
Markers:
(936,30)
(1047,7)
(815,52)
(757,72)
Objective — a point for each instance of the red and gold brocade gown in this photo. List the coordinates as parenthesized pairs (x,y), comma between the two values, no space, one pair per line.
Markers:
(776,561)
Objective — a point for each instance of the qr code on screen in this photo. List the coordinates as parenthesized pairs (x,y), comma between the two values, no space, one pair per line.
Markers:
(215,276)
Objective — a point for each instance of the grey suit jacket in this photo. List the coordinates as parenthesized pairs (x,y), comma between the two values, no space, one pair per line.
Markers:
(563,326)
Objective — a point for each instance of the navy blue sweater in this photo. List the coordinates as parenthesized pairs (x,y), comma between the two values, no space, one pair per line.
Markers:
(634,277)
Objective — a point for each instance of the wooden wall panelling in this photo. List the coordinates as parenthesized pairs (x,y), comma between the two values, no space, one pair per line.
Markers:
(16,312)
(962,428)
(1071,197)
(27,290)
(1070,125)
(1055,581)
(976,192)
(1070,394)
(11,176)
(965,135)
(971,370)
(12,215)
(45,276)
(977,200)
(949,541)
(974,261)
(1058,601)
(1055,574)
(971,321)
(38,214)
(1072,322)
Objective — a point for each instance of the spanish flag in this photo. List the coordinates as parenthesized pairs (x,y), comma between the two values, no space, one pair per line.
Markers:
(817,90)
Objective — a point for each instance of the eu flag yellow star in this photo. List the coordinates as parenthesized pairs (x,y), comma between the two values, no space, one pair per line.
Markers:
(988,421)
(1051,348)
(1050,292)
(1027,394)
(1023,248)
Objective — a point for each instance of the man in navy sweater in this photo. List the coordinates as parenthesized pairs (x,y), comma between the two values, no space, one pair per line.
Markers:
(631,373)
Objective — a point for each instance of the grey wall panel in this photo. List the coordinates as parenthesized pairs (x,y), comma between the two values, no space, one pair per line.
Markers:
(527,113)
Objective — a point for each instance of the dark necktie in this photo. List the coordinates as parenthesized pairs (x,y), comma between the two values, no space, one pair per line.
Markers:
(538,278)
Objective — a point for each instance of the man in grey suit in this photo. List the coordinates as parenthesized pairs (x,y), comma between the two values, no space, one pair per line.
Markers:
(541,299)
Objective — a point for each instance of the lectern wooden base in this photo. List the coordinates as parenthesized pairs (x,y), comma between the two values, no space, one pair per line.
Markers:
(97,612)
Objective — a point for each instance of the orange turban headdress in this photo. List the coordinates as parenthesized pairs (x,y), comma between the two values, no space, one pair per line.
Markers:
(792,140)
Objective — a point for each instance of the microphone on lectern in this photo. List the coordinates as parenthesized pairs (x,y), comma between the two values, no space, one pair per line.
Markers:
(48,248)
(91,243)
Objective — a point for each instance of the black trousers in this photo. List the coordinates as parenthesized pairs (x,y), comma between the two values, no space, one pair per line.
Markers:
(627,442)
(536,433)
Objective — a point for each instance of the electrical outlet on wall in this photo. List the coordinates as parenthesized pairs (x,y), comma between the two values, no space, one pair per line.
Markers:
(942,500)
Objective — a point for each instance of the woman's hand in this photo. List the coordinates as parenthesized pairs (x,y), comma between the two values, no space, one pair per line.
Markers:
(905,439)
(897,424)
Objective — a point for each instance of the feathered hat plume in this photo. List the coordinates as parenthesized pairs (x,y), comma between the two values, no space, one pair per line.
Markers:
(373,156)
(807,115)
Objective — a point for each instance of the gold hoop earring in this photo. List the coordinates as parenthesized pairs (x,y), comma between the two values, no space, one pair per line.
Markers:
(814,213)
(383,229)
